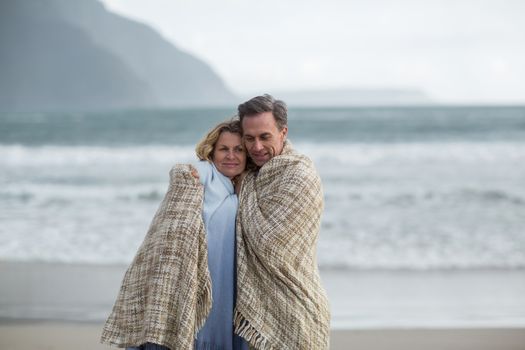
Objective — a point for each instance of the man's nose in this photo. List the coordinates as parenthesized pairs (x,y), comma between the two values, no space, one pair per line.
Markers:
(257,145)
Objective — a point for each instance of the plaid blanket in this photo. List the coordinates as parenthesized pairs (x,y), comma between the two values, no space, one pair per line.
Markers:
(165,296)
(280,301)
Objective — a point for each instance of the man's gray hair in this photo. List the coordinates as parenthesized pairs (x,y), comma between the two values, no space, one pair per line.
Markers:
(265,103)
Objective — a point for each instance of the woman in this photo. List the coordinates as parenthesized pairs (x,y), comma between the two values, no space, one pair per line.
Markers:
(187,258)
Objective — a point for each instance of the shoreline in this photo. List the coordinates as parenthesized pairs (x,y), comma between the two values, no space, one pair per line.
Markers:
(46,306)
(359,300)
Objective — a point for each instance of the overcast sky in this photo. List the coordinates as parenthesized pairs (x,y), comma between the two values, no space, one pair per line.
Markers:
(458,51)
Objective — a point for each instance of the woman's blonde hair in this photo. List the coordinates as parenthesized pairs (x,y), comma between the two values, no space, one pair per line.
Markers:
(206,146)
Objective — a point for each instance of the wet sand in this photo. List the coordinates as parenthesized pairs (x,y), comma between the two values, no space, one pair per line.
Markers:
(63,306)
(33,335)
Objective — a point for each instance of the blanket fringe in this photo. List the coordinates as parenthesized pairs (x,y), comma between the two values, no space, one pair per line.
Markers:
(203,308)
(243,328)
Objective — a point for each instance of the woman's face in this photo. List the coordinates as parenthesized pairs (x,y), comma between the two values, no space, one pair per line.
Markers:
(229,155)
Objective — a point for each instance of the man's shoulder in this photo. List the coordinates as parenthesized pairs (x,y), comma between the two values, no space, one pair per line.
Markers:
(293,164)
(291,154)
(298,160)
(292,173)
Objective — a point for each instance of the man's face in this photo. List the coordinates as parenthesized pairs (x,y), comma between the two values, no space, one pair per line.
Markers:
(262,138)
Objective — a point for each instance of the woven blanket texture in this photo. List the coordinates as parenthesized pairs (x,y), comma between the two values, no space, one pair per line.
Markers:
(281,303)
(165,295)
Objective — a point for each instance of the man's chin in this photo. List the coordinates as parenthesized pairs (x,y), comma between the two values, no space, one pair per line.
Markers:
(260,161)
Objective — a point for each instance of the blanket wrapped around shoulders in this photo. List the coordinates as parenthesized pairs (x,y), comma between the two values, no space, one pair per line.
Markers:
(280,301)
(165,295)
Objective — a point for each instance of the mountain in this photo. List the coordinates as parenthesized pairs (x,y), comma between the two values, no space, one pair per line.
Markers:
(75,55)
(354,97)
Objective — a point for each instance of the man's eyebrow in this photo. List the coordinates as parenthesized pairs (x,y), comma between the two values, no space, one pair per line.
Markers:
(261,135)
(264,134)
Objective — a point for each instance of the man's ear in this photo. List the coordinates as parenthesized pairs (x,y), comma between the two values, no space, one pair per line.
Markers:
(284,132)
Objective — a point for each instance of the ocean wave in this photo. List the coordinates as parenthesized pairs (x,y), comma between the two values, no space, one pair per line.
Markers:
(67,194)
(335,195)
(70,253)
(397,206)
(71,156)
(405,266)
(452,253)
(359,154)
(401,197)
(490,196)
(22,196)
(363,154)
(145,196)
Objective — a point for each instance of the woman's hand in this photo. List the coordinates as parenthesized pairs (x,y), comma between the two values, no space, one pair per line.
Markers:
(195,173)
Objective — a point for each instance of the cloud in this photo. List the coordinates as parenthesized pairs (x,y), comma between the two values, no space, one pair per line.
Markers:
(455,50)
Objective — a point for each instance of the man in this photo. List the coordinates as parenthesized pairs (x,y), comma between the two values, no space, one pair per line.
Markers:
(280,301)
(264,124)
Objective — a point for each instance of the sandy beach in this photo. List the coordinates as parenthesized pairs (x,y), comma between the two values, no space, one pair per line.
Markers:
(31,335)
(63,306)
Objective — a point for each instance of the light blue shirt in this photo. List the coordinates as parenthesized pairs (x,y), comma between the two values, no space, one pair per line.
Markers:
(219,213)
